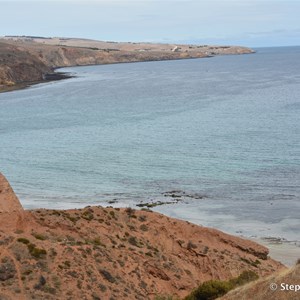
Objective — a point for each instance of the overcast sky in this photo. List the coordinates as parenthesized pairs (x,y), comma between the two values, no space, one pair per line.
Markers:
(251,23)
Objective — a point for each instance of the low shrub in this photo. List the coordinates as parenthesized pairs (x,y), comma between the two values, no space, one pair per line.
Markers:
(36,252)
(210,290)
(39,236)
(107,276)
(244,278)
(142,218)
(23,241)
(87,215)
(214,289)
(144,227)
(130,211)
(97,242)
(191,245)
(133,241)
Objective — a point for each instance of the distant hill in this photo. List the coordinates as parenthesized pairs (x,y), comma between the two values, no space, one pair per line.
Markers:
(27,59)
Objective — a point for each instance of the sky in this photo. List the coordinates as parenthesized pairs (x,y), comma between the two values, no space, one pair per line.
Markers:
(253,23)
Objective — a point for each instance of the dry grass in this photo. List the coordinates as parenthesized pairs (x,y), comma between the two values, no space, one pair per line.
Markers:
(260,289)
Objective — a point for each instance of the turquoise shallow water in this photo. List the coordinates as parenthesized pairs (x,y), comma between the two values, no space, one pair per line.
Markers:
(224,127)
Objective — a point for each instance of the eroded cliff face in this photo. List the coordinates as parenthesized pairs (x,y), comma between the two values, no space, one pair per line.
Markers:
(11,211)
(25,60)
(111,253)
(9,203)
(18,65)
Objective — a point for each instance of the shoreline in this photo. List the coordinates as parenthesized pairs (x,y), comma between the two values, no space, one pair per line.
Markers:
(49,77)
(27,61)
(56,75)
(283,251)
(280,249)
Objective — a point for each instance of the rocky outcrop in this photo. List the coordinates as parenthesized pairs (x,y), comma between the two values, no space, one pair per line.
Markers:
(18,65)
(259,251)
(9,203)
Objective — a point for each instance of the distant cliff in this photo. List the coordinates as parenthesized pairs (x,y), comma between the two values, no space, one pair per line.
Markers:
(25,60)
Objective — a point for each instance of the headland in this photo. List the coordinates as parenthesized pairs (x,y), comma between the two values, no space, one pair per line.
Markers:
(25,60)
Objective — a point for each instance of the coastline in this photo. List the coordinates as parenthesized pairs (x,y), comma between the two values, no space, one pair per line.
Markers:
(34,59)
(48,77)
(56,75)
(286,252)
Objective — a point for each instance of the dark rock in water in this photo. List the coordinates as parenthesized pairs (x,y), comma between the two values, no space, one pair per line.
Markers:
(195,196)
(156,203)
(112,201)
(174,194)
(182,194)
(56,76)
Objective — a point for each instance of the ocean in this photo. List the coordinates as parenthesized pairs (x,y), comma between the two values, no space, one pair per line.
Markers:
(221,133)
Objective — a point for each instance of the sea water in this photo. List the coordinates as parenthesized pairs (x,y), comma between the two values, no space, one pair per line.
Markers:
(223,129)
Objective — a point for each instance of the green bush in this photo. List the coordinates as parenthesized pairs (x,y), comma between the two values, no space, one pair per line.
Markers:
(23,241)
(107,276)
(87,215)
(142,218)
(210,290)
(36,252)
(97,242)
(133,241)
(244,278)
(144,227)
(213,289)
(39,236)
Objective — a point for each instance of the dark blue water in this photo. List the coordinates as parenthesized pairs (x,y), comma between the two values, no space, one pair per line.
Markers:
(224,127)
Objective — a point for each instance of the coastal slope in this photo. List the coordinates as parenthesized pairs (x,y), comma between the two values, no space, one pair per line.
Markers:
(284,285)
(27,60)
(112,253)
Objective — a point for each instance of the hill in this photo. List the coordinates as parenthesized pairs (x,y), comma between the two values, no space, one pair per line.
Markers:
(111,253)
(27,60)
